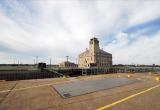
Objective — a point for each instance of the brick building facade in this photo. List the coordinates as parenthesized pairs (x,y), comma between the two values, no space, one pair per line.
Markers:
(94,57)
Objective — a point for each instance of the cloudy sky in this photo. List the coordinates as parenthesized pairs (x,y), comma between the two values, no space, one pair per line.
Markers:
(130,30)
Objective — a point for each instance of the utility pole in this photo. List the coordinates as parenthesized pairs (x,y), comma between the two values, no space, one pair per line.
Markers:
(50,60)
(34,62)
(67,58)
(36,59)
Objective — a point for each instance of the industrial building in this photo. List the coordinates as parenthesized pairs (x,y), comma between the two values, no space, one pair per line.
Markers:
(94,57)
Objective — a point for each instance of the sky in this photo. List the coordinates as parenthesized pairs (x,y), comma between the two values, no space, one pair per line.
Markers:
(54,29)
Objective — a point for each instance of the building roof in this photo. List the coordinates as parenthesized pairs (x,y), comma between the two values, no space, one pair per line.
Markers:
(102,51)
(67,62)
(85,52)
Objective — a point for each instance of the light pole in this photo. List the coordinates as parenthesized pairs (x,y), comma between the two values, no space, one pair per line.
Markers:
(50,60)
(36,59)
(67,58)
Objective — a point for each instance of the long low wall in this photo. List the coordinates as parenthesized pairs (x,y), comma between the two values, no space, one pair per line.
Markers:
(53,73)
(23,75)
(81,71)
(35,74)
(134,69)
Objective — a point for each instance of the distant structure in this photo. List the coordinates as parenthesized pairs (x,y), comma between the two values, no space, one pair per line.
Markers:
(67,64)
(94,57)
(42,66)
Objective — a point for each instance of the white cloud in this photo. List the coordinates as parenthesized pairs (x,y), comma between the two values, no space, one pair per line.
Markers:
(145,50)
(144,11)
(121,40)
(59,28)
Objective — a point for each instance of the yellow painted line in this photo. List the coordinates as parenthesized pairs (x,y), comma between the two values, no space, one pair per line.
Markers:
(127,98)
(3,91)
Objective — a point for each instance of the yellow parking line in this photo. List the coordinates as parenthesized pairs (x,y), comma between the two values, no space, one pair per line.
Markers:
(127,98)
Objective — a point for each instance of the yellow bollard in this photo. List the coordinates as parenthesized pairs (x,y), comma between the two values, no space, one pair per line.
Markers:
(128,76)
(157,78)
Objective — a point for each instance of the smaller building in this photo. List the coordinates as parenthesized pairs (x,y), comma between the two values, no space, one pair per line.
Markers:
(68,64)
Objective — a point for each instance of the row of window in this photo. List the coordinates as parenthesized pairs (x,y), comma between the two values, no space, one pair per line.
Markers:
(98,61)
(105,64)
(100,64)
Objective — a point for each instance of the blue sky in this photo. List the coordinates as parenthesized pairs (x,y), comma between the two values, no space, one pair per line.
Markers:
(130,30)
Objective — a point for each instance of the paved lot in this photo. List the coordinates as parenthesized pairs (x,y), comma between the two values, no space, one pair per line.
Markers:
(40,94)
(76,88)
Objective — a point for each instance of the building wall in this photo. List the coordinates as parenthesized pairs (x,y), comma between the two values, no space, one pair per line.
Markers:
(104,61)
(68,64)
(95,57)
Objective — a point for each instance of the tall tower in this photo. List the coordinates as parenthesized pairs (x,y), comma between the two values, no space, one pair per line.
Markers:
(94,45)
